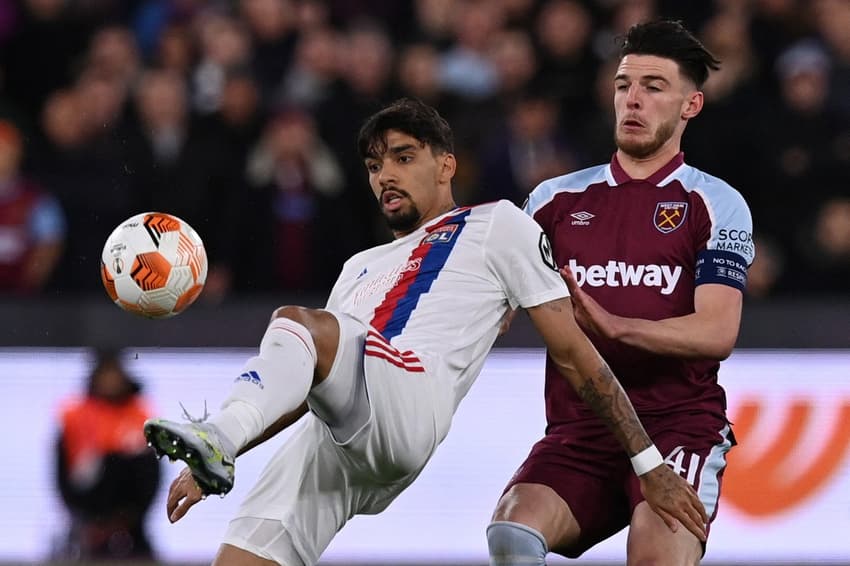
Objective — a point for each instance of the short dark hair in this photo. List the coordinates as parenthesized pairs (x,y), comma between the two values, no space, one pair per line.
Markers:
(671,40)
(410,116)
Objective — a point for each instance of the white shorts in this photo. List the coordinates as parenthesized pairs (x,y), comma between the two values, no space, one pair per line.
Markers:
(320,478)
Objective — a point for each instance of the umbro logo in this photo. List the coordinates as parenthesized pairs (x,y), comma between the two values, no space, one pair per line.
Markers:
(581,218)
(362,273)
(251,377)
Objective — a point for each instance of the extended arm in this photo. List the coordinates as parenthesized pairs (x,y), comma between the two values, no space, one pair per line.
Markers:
(667,493)
(587,372)
(709,332)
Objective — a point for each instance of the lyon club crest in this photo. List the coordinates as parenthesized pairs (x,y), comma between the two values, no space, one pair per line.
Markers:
(669,216)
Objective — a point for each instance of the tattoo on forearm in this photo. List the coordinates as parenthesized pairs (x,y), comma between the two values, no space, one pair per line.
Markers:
(604,395)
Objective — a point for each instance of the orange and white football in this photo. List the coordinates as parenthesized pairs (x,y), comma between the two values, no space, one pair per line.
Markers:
(153,265)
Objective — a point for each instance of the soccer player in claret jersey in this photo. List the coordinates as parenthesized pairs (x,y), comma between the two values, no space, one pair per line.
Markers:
(655,253)
(380,372)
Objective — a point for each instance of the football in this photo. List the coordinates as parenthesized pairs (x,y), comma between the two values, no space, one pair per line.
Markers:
(153,265)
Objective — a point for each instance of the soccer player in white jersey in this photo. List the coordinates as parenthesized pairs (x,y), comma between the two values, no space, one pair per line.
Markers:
(375,378)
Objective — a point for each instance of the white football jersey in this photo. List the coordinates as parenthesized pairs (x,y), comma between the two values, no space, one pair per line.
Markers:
(438,295)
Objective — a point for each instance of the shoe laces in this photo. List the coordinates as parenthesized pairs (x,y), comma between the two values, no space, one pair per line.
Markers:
(196,420)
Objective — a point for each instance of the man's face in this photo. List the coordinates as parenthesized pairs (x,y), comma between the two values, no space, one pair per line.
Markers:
(652,102)
(406,181)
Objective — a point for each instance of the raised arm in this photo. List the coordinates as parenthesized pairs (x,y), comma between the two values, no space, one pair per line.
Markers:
(579,362)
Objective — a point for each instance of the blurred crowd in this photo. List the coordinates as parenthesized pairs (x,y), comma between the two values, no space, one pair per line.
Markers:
(240,116)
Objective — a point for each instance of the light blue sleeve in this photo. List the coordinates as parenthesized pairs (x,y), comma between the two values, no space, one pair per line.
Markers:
(47,221)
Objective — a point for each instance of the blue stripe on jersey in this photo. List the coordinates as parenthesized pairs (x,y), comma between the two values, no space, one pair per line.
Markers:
(436,254)
(577,181)
(716,266)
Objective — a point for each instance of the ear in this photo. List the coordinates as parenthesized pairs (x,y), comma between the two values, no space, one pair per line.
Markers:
(448,167)
(693,104)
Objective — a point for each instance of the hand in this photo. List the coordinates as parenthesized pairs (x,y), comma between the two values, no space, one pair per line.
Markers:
(182,495)
(590,315)
(674,500)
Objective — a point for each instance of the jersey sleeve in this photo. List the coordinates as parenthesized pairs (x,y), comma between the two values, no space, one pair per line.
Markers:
(729,248)
(520,255)
(335,299)
(47,222)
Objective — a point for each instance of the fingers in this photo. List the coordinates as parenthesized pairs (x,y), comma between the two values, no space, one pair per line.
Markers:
(182,495)
(570,279)
(703,515)
(691,520)
(668,519)
(180,511)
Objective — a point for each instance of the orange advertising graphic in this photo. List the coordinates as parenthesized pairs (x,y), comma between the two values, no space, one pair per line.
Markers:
(756,481)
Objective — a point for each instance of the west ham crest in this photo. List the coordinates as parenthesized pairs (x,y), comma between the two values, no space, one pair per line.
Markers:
(669,216)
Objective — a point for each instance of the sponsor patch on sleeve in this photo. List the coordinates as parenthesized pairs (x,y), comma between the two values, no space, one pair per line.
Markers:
(718,266)
(546,252)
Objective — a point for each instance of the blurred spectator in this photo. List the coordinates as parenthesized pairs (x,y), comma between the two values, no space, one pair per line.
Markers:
(225,45)
(82,159)
(176,165)
(530,149)
(731,102)
(365,57)
(32,224)
(153,19)
(832,18)
(300,183)
(114,55)
(518,13)
(596,126)
(805,136)
(623,15)
(239,120)
(567,64)
(823,249)
(514,61)
(106,474)
(465,68)
(271,24)
(315,70)
(774,25)
(435,19)
(767,268)
(313,14)
(175,50)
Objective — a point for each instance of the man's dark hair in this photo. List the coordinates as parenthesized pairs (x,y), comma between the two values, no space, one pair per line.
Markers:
(671,40)
(409,116)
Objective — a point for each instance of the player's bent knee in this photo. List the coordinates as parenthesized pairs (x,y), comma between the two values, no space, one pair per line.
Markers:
(512,544)
(294,312)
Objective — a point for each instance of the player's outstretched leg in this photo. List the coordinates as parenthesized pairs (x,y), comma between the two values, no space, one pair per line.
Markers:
(208,455)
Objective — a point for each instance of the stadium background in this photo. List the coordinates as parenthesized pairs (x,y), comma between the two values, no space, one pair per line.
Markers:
(262,163)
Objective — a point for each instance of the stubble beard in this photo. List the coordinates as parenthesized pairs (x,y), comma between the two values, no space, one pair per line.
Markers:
(644,149)
(403,221)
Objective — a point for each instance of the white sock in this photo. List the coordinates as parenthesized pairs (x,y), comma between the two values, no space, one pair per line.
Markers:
(271,384)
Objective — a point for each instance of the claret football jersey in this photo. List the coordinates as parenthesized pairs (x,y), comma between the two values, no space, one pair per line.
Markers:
(640,247)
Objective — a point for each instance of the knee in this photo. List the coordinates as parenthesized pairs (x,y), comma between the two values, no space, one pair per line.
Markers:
(512,543)
(299,314)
